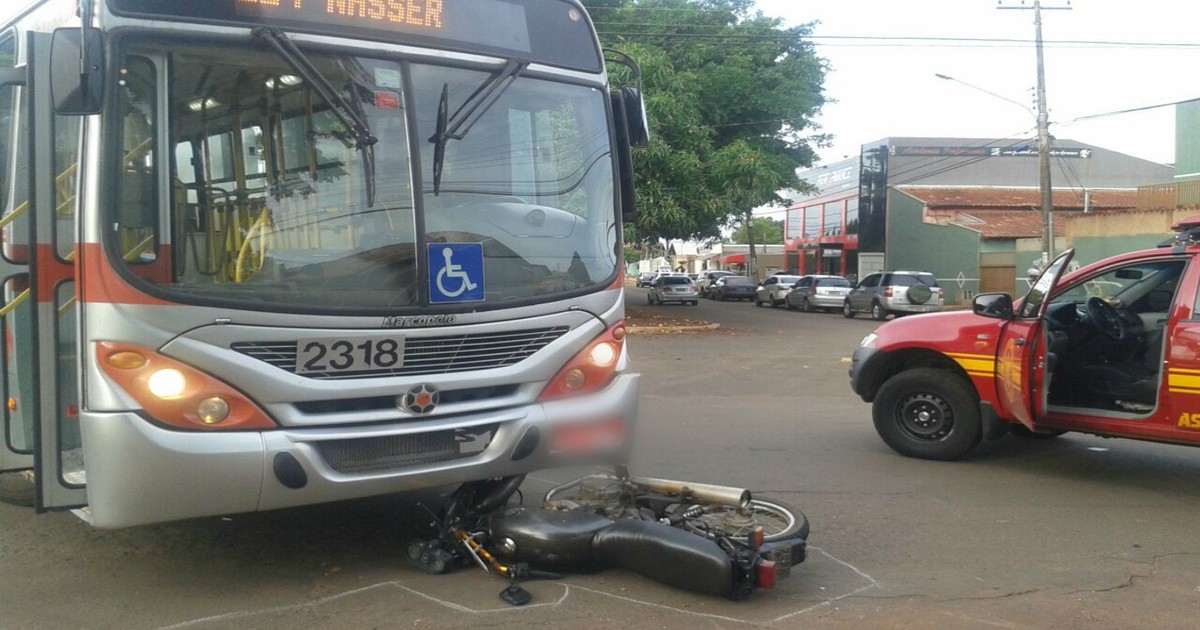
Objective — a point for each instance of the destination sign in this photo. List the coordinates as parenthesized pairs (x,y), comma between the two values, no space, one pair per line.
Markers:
(554,32)
(424,14)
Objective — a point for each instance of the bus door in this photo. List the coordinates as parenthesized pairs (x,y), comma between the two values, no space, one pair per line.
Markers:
(38,308)
(16,448)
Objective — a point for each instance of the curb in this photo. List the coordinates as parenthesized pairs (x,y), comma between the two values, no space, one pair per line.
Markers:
(644,330)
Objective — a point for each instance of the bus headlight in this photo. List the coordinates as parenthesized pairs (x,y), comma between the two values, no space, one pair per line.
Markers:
(591,368)
(166,384)
(176,394)
(603,354)
(212,410)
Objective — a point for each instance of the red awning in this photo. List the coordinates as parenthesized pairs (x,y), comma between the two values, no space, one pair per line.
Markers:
(734,259)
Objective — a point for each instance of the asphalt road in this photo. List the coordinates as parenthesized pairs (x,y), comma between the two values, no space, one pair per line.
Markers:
(1073,532)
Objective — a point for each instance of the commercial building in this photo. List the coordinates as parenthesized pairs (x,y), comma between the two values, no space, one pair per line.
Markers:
(965,209)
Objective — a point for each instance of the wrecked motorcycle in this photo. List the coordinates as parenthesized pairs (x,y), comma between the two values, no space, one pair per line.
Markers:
(706,538)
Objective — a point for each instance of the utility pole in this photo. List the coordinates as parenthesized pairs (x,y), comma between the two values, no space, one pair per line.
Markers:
(752,258)
(1043,131)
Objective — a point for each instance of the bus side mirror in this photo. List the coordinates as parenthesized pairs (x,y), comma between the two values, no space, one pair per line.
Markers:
(623,148)
(77,71)
(636,122)
(994,305)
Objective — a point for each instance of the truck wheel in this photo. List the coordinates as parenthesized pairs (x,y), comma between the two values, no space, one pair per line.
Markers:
(928,413)
(878,313)
(847,312)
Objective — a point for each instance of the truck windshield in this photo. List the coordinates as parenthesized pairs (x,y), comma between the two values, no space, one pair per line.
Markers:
(236,179)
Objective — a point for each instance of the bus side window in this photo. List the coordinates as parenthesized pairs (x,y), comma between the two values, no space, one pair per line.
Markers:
(12,161)
(8,58)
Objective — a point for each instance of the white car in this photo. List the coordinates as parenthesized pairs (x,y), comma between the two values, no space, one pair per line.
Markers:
(673,288)
(773,290)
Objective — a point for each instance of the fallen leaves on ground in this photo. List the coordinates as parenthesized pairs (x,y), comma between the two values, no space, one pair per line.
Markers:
(661,317)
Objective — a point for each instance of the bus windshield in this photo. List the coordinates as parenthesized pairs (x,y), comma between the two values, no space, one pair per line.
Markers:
(263,196)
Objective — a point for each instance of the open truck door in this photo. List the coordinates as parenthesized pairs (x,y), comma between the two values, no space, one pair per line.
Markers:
(38,309)
(1021,357)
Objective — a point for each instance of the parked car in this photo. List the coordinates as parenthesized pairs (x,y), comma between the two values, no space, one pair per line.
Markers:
(894,292)
(774,289)
(673,288)
(817,292)
(732,288)
(706,278)
(645,279)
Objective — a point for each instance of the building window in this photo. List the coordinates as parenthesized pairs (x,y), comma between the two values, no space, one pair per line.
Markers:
(812,222)
(852,215)
(832,218)
(795,219)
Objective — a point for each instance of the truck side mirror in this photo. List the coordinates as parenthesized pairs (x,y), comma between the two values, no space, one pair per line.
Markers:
(994,305)
(77,71)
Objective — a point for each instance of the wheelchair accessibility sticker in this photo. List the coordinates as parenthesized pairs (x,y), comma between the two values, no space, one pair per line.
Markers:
(456,272)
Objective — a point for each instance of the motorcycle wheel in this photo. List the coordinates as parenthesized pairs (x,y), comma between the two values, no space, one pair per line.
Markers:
(779,521)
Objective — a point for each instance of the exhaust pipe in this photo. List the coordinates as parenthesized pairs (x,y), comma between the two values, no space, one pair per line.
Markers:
(698,492)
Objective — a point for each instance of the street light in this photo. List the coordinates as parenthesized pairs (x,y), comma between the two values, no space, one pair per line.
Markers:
(1028,110)
(1043,129)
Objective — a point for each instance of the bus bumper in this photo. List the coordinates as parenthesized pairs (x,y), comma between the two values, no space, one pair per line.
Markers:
(163,475)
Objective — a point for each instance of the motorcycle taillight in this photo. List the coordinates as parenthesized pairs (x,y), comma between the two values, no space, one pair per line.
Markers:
(766,574)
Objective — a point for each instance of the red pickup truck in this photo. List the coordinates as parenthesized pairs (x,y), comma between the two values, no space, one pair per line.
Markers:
(1111,349)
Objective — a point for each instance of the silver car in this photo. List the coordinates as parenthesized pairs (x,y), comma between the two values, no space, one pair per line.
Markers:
(774,289)
(706,278)
(815,292)
(673,289)
(894,293)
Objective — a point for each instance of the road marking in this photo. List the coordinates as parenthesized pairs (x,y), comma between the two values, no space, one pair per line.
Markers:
(871,583)
(567,588)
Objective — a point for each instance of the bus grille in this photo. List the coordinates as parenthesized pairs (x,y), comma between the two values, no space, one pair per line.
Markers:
(425,355)
(365,455)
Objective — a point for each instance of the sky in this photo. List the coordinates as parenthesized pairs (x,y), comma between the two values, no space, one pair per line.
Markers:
(885,88)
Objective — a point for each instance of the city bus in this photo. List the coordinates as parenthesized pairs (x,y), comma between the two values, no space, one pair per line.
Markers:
(269,253)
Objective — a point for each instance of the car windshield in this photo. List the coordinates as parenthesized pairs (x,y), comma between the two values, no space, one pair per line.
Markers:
(832,282)
(737,280)
(676,280)
(274,204)
(787,279)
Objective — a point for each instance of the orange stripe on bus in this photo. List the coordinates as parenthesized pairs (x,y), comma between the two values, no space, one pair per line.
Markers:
(102,284)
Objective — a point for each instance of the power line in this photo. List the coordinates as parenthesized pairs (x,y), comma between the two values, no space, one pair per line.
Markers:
(1132,109)
(773,35)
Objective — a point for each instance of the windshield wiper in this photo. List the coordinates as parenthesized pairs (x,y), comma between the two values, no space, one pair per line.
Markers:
(349,115)
(457,126)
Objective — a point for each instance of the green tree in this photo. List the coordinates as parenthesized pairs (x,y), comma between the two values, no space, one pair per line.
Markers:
(766,231)
(731,95)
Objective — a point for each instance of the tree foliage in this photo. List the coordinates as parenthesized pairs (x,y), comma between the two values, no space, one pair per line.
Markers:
(730,94)
(766,232)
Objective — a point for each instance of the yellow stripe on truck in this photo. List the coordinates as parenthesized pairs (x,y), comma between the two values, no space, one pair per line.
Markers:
(975,364)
